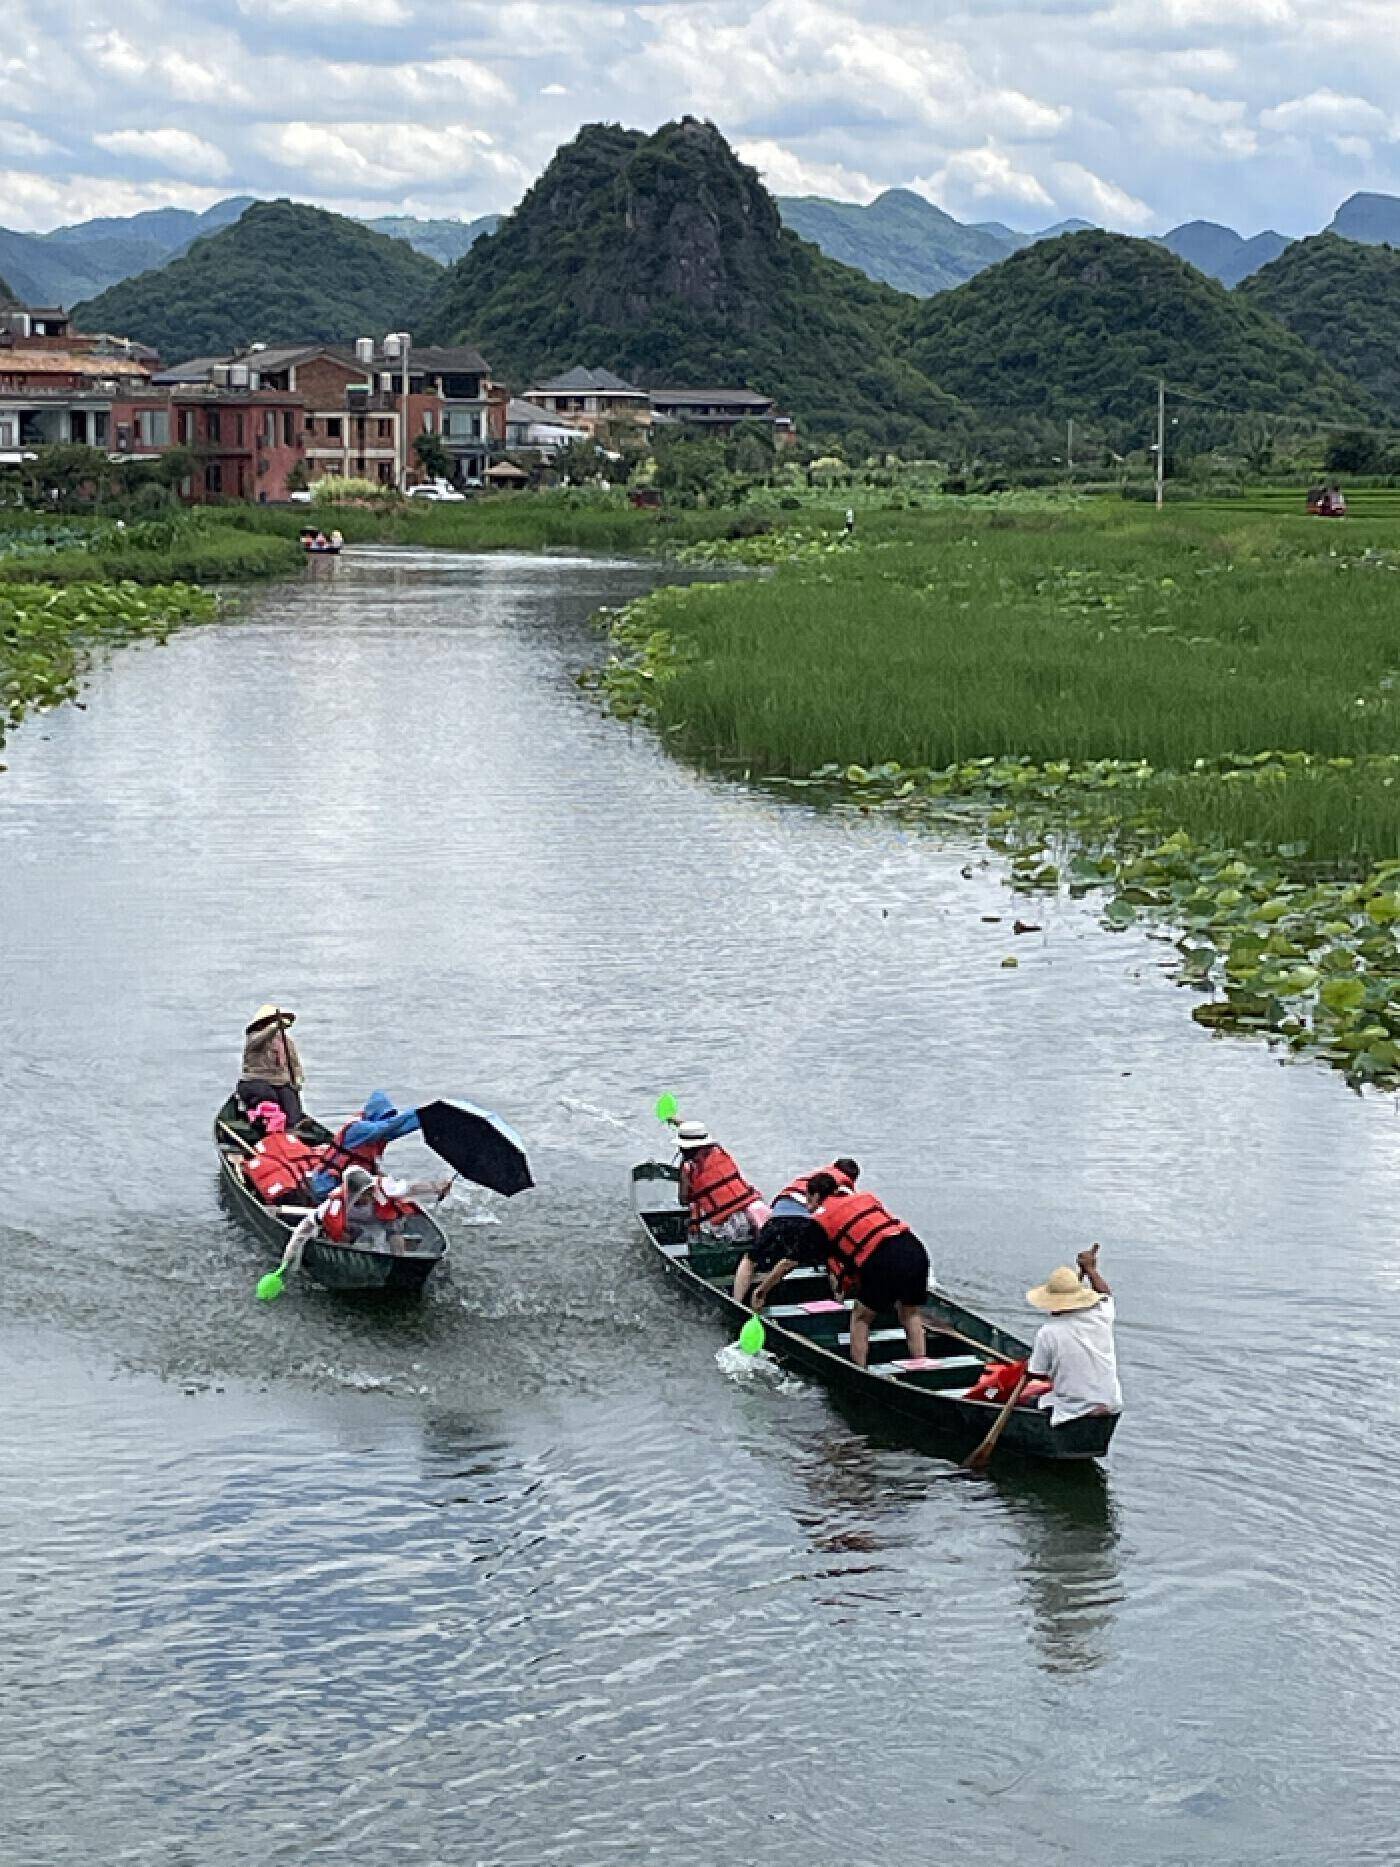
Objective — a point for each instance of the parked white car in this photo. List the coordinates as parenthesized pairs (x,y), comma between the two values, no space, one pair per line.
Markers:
(436,490)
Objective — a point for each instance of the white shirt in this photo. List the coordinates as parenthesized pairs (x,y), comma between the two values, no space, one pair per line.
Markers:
(1074,1351)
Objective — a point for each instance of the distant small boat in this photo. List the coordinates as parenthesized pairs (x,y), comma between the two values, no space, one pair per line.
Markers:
(806,1328)
(335,1267)
(322,551)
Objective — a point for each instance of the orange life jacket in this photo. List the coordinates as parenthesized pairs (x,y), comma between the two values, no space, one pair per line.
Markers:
(714,1187)
(798,1188)
(856,1225)
(335,1221)
(279,1165)
(337,1156)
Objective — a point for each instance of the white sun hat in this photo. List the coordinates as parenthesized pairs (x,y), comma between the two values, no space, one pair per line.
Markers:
(693,1134)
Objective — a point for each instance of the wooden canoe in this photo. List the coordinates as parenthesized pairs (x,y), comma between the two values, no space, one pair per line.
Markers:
(347,1267)
(809,1331)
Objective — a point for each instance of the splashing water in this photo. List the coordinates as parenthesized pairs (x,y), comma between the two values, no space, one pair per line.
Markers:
(763,1368)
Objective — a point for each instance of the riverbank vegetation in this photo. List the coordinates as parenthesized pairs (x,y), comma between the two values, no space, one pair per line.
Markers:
(1194,712)
(49,634)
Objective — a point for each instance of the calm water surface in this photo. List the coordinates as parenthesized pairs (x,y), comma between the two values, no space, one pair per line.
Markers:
(522,1576)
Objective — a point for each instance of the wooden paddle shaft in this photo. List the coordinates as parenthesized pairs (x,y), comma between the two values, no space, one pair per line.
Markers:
(977,1458)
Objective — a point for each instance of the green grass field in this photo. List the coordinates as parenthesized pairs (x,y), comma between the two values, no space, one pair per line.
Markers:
(1194,710)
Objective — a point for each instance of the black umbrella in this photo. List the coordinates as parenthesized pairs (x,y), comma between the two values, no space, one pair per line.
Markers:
(478,1144)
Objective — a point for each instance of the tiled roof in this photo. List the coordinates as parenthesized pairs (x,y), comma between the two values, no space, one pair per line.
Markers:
(736,398)
(454,360)
(66,363)
(587,382)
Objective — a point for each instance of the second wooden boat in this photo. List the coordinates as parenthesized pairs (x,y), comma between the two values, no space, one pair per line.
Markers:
(809,1330)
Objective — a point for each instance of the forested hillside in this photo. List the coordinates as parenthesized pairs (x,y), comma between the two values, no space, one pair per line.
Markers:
(282,271)
(1344,301)
(1083,326)
(664,258)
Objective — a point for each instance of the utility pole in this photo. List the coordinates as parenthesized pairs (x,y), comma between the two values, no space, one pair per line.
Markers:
(1161,441)
(1069,448)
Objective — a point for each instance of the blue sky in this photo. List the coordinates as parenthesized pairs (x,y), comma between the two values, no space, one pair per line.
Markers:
(1135,113)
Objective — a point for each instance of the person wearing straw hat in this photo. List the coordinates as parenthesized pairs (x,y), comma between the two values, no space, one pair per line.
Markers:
(272,1069)
(721,1203)
(1074,1350)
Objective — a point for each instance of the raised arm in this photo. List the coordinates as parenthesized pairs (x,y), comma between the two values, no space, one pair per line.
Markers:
(1088,1262)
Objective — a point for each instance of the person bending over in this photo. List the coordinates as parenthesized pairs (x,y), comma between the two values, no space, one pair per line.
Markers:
(874,1259)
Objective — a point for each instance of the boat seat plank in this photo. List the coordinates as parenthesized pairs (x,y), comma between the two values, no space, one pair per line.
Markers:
(952,1371)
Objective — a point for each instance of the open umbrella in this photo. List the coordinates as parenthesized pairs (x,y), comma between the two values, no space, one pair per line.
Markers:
(478,1144)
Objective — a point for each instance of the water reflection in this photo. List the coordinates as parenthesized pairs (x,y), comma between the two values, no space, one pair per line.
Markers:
(1067,1524)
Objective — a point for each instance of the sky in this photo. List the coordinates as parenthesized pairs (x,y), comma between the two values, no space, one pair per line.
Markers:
(1136,114)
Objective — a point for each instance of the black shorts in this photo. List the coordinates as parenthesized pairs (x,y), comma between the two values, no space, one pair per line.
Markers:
(897,1273)
(789,1236)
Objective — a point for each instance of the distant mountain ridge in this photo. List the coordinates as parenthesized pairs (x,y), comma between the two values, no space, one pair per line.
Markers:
(1369,219)
(80,261)
(1220,251)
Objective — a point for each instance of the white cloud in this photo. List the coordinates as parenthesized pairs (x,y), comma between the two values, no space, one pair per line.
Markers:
(786,173)
(554,90)
(1097,199)
(34,203)
(1356,147)
(17,139)
(972,177)
(1324,110)
(383,157)
(329,12)
(166,71)
(179,152)
(1175,117)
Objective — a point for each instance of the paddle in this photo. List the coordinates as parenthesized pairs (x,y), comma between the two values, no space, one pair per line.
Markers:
(668,1109)
(976,1460)
(271,1287)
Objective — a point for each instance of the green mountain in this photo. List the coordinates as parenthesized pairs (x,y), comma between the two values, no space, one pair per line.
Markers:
(664,258)
(1220,251)
(1082,326)
(1343,300)
(81,260)
(1370,219)
(283,271)
(900,238)
(442,240)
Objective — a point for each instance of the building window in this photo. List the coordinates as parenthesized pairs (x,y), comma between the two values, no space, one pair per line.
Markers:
(213,479)
(238,430)
(212,425)
(428,419)
(9,432)
(386,430)
(100,423)
(386,473)
(153,427)
(289,432)
(332,427)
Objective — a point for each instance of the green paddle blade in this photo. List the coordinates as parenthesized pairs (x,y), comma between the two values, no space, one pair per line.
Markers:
(667,1108)
(752,1336)
(270,1287)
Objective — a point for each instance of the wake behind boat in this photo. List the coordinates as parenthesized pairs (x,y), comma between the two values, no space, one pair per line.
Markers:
(811,1331)
(343,1267)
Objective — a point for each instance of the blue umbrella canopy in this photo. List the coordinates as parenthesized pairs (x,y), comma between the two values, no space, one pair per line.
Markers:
(477,1144)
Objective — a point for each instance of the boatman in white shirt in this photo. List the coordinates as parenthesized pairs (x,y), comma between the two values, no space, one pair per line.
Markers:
(1074,1349)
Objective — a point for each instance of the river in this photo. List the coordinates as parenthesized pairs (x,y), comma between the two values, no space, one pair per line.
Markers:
(522,1576)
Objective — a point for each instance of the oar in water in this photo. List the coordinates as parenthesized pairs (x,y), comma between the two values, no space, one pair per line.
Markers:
(667,1109)
(976,1460)
(271,1287)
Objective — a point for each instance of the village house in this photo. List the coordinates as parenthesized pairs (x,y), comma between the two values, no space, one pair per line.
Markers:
(531,429)
(592,399)
(718,411)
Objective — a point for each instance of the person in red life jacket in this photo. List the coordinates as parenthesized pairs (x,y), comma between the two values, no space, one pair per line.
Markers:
(365,1209)
(791,1237)
(361,1142)
(721,1202)
(281,1164)
(873,1258)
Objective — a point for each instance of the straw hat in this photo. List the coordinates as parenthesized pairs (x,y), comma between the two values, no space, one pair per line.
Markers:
(1062,1290)
(692,1134)
(268,1014)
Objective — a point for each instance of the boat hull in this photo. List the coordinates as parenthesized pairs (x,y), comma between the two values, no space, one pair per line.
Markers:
(938,1417)
(345,1268)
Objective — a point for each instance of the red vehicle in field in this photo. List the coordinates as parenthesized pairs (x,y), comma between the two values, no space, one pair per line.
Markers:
(1327,502)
